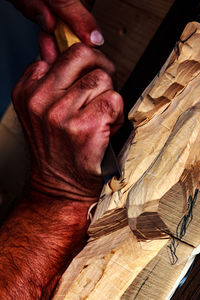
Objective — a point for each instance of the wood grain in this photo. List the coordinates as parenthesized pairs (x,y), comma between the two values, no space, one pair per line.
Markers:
(128,27)
(159,188)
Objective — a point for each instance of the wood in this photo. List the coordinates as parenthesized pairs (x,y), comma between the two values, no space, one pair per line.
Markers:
(143,279)
(158,189)
(162,115)
(106,267)
(154,56)
(118,266)
(128,27)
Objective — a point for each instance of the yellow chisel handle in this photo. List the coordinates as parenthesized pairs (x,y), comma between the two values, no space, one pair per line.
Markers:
(64,36)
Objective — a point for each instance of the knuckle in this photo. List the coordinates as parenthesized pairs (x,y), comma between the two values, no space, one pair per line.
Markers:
(72,127)
(88,82)
(103,76)
(35,102)
(33,106)
(112,104)
(28,82)
(105,107)
(38,70)
(118,103)
(81,50)
(35,71)
(116,97)
(53,117)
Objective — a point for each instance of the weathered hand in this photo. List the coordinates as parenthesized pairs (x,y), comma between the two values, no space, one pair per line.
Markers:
(72,12)
(68,111)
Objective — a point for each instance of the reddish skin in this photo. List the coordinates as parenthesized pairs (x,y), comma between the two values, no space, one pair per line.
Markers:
(72,12)
(68,111)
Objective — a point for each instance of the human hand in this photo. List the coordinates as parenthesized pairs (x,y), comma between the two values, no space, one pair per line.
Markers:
(72,12)
(68,111)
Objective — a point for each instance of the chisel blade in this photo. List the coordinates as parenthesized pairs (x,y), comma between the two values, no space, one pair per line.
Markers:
(109,165)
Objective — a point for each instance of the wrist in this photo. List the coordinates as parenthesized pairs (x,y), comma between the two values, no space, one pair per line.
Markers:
(56,186)
(43,233)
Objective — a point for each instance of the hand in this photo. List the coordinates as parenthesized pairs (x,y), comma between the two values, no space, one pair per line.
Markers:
(68,111)
(72,12)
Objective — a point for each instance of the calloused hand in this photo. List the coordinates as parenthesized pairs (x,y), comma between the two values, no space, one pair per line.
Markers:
(72,12)
(69,110)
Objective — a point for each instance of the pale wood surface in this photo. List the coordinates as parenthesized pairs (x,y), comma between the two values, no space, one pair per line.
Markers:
(159,189)
(106,267)
(158,155)
(118,266)
(117,263)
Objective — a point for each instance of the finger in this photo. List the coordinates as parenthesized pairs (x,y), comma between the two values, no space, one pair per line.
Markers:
(48,48)
(79,19)
(38,12)
(107,111)
(77,61)
(67,70)
(79,95)
(27,84)
(90,130)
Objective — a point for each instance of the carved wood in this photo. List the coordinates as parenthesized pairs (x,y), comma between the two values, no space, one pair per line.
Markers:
(157,194)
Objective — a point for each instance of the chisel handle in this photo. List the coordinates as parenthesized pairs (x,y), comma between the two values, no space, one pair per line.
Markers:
(64,36)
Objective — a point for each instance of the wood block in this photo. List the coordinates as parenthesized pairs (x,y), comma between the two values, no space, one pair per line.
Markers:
(118,266)
(158,189)
(163,150)
(118,256)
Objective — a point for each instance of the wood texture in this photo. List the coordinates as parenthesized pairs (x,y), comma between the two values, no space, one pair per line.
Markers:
(106,267)
(159,189)
(157,156)
(128,27)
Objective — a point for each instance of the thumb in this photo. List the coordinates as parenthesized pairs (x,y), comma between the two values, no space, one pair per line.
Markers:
(79,19)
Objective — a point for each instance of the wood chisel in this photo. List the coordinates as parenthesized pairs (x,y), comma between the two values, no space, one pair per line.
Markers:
(66,38)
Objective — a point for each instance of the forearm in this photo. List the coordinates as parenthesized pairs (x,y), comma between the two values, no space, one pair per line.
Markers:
(38,241)
(68,121)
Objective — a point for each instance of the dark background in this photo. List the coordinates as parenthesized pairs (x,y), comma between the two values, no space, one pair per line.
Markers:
(18,48)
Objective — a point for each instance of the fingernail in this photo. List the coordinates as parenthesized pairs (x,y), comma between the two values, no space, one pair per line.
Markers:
(96,38)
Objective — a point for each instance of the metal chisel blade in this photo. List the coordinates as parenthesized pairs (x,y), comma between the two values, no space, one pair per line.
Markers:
(110,166)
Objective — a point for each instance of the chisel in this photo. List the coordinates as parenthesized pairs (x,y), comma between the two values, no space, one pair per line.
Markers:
(66,38)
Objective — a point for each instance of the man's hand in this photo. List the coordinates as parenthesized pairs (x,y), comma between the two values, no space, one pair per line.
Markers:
(69,111)
(72,12)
